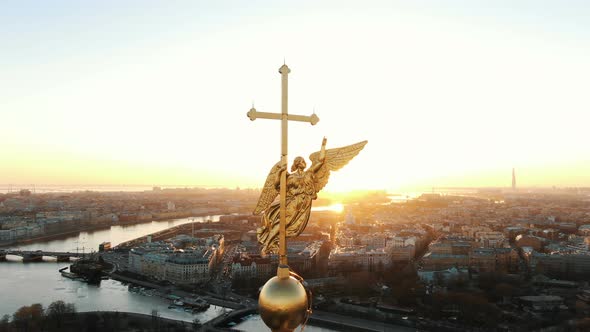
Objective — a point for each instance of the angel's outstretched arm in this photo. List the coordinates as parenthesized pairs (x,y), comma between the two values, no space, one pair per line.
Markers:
(316,167)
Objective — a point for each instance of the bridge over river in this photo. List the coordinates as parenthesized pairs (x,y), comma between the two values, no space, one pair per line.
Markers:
(37,256)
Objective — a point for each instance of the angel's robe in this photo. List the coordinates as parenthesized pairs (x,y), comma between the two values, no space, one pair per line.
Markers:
(300,195)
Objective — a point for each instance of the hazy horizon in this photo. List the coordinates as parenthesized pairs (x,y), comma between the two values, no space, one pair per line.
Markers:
(59,188)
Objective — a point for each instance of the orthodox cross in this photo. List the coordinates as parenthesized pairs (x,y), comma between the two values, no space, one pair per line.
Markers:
(285,117)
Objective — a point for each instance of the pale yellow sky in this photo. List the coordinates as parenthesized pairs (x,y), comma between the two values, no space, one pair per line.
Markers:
(159,95)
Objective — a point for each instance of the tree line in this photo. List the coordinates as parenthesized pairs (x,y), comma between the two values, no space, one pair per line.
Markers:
(36,318)
(63,317)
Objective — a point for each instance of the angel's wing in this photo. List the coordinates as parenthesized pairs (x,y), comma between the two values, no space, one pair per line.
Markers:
(335,160)
(269,192)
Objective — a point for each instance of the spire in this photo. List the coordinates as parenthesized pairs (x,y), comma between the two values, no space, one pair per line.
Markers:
(513,179)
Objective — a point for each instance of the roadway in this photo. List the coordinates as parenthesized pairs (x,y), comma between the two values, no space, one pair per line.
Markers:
(346,323)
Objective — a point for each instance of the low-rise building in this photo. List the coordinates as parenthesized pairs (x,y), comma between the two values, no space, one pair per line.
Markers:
(543,302)
(584,230)
(187,268)
(162,261)
(493,259)
(154,265)
(373,240)
(563,266)
(303,256)
(252,266)
(7,235)
(534,242)
(406,253)
(512,232)
(430,277)
(358,258)
(490,239)
(435,261)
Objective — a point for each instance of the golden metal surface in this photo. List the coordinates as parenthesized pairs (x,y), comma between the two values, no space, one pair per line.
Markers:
(253,114)
(284,70)
(283,303)
(301,189)
(281,166)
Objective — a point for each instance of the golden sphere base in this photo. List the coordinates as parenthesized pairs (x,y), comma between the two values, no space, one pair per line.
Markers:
(282,303)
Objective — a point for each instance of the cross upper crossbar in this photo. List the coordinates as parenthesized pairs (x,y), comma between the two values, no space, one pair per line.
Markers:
(253,114)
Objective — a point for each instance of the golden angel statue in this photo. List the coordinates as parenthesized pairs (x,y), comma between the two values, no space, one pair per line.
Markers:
(302,188)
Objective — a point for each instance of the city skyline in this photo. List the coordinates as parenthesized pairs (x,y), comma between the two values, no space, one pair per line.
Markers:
(446,95)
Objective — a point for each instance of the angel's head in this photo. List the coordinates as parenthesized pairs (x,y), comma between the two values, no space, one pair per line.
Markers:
(298,163)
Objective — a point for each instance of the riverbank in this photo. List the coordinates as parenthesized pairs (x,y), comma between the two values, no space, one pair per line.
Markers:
(56,236)
(104,321)
(327,320)
(94,228)
(171,290)
(24,284)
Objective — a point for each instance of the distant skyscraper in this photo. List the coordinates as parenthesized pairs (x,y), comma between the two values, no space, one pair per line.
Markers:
(333,232)
(513,179)
(350,218)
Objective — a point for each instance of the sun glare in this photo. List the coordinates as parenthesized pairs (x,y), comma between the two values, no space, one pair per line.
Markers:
(337,207)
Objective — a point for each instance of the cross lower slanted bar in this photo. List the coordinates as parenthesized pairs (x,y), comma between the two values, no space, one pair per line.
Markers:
(285,117)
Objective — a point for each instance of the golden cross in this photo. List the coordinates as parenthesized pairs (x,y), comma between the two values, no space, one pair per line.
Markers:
(285,117)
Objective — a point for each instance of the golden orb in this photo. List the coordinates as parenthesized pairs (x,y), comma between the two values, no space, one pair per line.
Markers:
(283,303)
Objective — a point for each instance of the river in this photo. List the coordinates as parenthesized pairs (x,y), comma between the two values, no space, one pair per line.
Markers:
(24,284)
(89,241)
(27,283)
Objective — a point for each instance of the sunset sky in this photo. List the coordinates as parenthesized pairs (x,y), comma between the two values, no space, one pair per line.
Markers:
(448,93)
